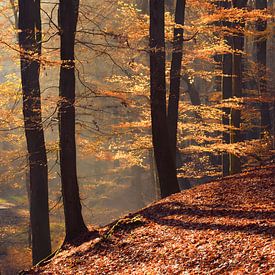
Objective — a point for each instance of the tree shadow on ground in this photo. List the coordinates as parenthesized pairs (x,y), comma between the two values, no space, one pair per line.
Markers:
(162,214)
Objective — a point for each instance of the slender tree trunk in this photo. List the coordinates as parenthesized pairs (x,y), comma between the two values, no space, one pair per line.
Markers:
(153,173)
(175,76)
(164,159)
(27,182)
(74,223)
(137,187)
(192,91)
(30,44)
(235,135)
(226,92)
(261,60)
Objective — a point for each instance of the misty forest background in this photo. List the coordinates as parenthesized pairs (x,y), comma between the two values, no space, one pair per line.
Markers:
(225,123)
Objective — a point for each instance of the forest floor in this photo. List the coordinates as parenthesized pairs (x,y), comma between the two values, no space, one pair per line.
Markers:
(222,227)
(13,235)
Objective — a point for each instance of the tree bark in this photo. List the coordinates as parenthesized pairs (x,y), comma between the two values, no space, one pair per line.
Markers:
(30,44)
(192,91)
(235,135)
(175,76)
(261,60)
(226,92)
(164,159)
(74,223)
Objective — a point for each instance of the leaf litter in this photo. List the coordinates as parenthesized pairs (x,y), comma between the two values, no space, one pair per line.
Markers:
(222,227)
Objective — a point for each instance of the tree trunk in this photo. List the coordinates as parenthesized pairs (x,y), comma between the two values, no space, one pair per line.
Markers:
(261,60)
(30,44)
(192,91)
(184,183)
(74,223)
(226,92)
(175,76)
(164,159)
(235,135)
(154,176)
(137,187)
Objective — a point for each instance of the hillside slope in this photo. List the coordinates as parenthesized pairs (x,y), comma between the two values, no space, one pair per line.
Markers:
(223,227)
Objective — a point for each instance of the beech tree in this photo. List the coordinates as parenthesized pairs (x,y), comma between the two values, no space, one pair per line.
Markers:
(261,53)
(175,79)
(175,75)
(238,45)
(226,89)
(30,44)
(74,223)
(165,161)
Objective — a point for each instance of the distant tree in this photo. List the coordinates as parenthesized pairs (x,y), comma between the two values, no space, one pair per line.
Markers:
(192,91)
(30,44)
(143,5)
(226,88)
(165,161)
(14,10)
(261,53)
(237,70)
(74,223)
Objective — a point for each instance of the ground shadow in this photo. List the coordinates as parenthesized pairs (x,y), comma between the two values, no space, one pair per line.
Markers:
(161,212)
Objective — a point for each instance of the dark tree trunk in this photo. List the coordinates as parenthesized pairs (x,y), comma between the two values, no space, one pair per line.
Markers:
(226,92)
(175,76)
(164,159)
(192,91)
(261,60)
(74,223)
(30,44)
(235,135)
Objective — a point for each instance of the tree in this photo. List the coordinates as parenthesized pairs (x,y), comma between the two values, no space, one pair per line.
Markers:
(238,46)
(192,91)
(175,78)
(30,44)
(74,223)
(164,159)
(15,10)
(261,60)
(226,90)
